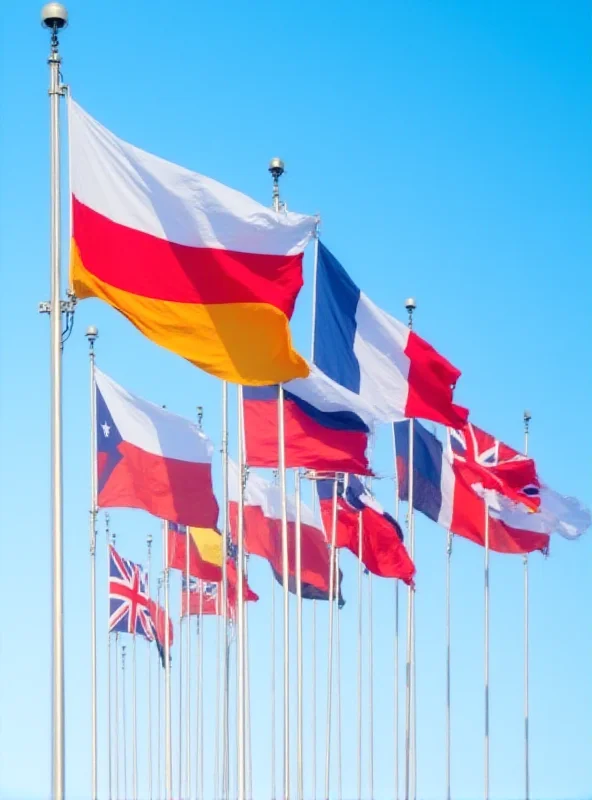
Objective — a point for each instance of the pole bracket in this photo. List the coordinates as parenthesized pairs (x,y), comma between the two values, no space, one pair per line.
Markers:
(45,307)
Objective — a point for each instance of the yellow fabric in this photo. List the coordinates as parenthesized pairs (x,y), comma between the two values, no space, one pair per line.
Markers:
(246,343)
(209,544)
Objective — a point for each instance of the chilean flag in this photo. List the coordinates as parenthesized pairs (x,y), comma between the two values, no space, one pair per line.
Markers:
(383,551)
(326,425)
(444,493)
(151,459)
(263,528)
(377,357)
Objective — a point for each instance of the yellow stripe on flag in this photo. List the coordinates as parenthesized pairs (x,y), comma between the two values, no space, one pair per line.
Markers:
(209,544)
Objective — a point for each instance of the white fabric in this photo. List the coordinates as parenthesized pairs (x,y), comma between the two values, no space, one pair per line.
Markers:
(151,428)
(147,193)
(558,514)
(379,345)
(262,493)
(325,394)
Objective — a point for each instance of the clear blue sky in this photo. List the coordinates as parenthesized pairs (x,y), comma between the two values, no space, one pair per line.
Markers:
(447,147)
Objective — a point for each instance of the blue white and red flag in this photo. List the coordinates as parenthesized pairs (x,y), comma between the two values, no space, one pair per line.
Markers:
(129,610)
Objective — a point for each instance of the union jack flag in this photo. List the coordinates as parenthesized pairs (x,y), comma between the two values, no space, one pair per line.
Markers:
(128,597)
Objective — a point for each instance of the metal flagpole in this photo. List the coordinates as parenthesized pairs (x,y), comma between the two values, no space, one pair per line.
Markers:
(55,17)
(486,582)
(272,760)
(240,641)
(134,724)
(149,651)
(330,654)
(109,748)
(168,747)
(159,737)
(180,744)
(396,653)
(92,335)
(448,730)
(314,700)
(338,677)
(410,305)
(117,715)
(527,418)
(218,662)
(249,758)
(200,696)
(124,720)
(360,665)
(370,692)
(187,669)
(298,553)
(224,618)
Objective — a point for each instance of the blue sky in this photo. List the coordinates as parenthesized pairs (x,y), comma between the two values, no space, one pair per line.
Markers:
(446,147)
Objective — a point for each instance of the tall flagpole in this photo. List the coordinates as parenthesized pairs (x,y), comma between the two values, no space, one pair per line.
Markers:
(448,729)
(370,692)
(168,747)
(200,696)
(187,670)
(240,640)
(149,651)
(298,553)
(134,723)
(159,696)
(396,653)
(218,662)
(410,305)
(360,664)
(272,688)
(527,418)
(92,334)
(124,720)
(248,753)
(332,579)
(109,748)
(180,745)
(314,496)
(117,715)
(55,17)
(486,583)
(338,677)
(224,617)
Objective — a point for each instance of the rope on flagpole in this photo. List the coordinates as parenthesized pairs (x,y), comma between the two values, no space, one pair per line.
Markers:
(124,716)
(117,715)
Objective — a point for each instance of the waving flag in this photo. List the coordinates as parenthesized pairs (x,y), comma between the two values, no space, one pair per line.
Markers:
(197,267)
(309,592)
(442,493)
(377,357)
(204,598)
(383,551)
(326,426)
(129,609)
(159,622)
(151,459)
(205,551)
(263,528)
(565,516)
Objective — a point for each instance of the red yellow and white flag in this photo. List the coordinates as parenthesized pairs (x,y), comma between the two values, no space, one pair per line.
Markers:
(197,267)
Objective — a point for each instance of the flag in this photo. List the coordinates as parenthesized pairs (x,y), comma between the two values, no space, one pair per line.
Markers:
(197,267)
(263,528)
(491,466)
(377,357)
(441,492)
(232,577)
(159,620)
(129,610)
(151,459)
(205,551)
(557,514)
(326,426)
(204,598)
(383,551)
(309,592)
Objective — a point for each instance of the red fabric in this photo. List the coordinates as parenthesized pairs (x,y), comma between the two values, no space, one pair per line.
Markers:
(263,537)
(198,568)
(308,443)
(383,553)
(180,491)
(158,615)
(431,382)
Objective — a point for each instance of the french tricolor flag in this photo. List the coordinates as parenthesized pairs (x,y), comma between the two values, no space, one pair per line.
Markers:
(377,357)
(326,425)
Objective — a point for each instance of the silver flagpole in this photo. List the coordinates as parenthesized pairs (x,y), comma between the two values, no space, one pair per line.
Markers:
(180,744)
(199,693)
(159,737)
(124,720)
(200,696)
(486,651)
(370,692)
(272,760)
(225,644)
(240,640)
(218,662)
(55,17)
(249,757)
(168,746)
(298,553)
(134,724)
(527,418)
(117,715)
(410,305)
(314,700)
(338,677)
(92,334)
(448,730)
(396,654)
(149,651)
(330,654)
(360,664)
(109,703)
(187,670)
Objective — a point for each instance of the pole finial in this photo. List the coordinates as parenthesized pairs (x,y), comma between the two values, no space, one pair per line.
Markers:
(200,413)
(54,17)
(410,305)
(277,169)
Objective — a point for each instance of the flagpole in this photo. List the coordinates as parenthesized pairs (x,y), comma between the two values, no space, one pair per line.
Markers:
(527,417)
(218,662)
(298,553)
(109,748)
(314,700)
(168,748)
(224,620)
(180,745)
(410,305)
(486,582)
(448,729)
(124,720)
(134,723)
(159,686)
(249,758)
(149,573)
(360,665)
(117,715)
(200,695)
(330,654)
(338,647)
(240,641)
(370,691)
(188,665)
(314,498)
(272,760)
(55,17)
(396,653)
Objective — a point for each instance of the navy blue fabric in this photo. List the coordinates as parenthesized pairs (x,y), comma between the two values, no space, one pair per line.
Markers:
(337,299)
(108,441)
(260,392)
(353,493)
(427,468)
(334,420)
(309,592)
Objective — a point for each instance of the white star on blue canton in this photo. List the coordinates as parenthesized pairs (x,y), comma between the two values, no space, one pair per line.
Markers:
(106,430)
